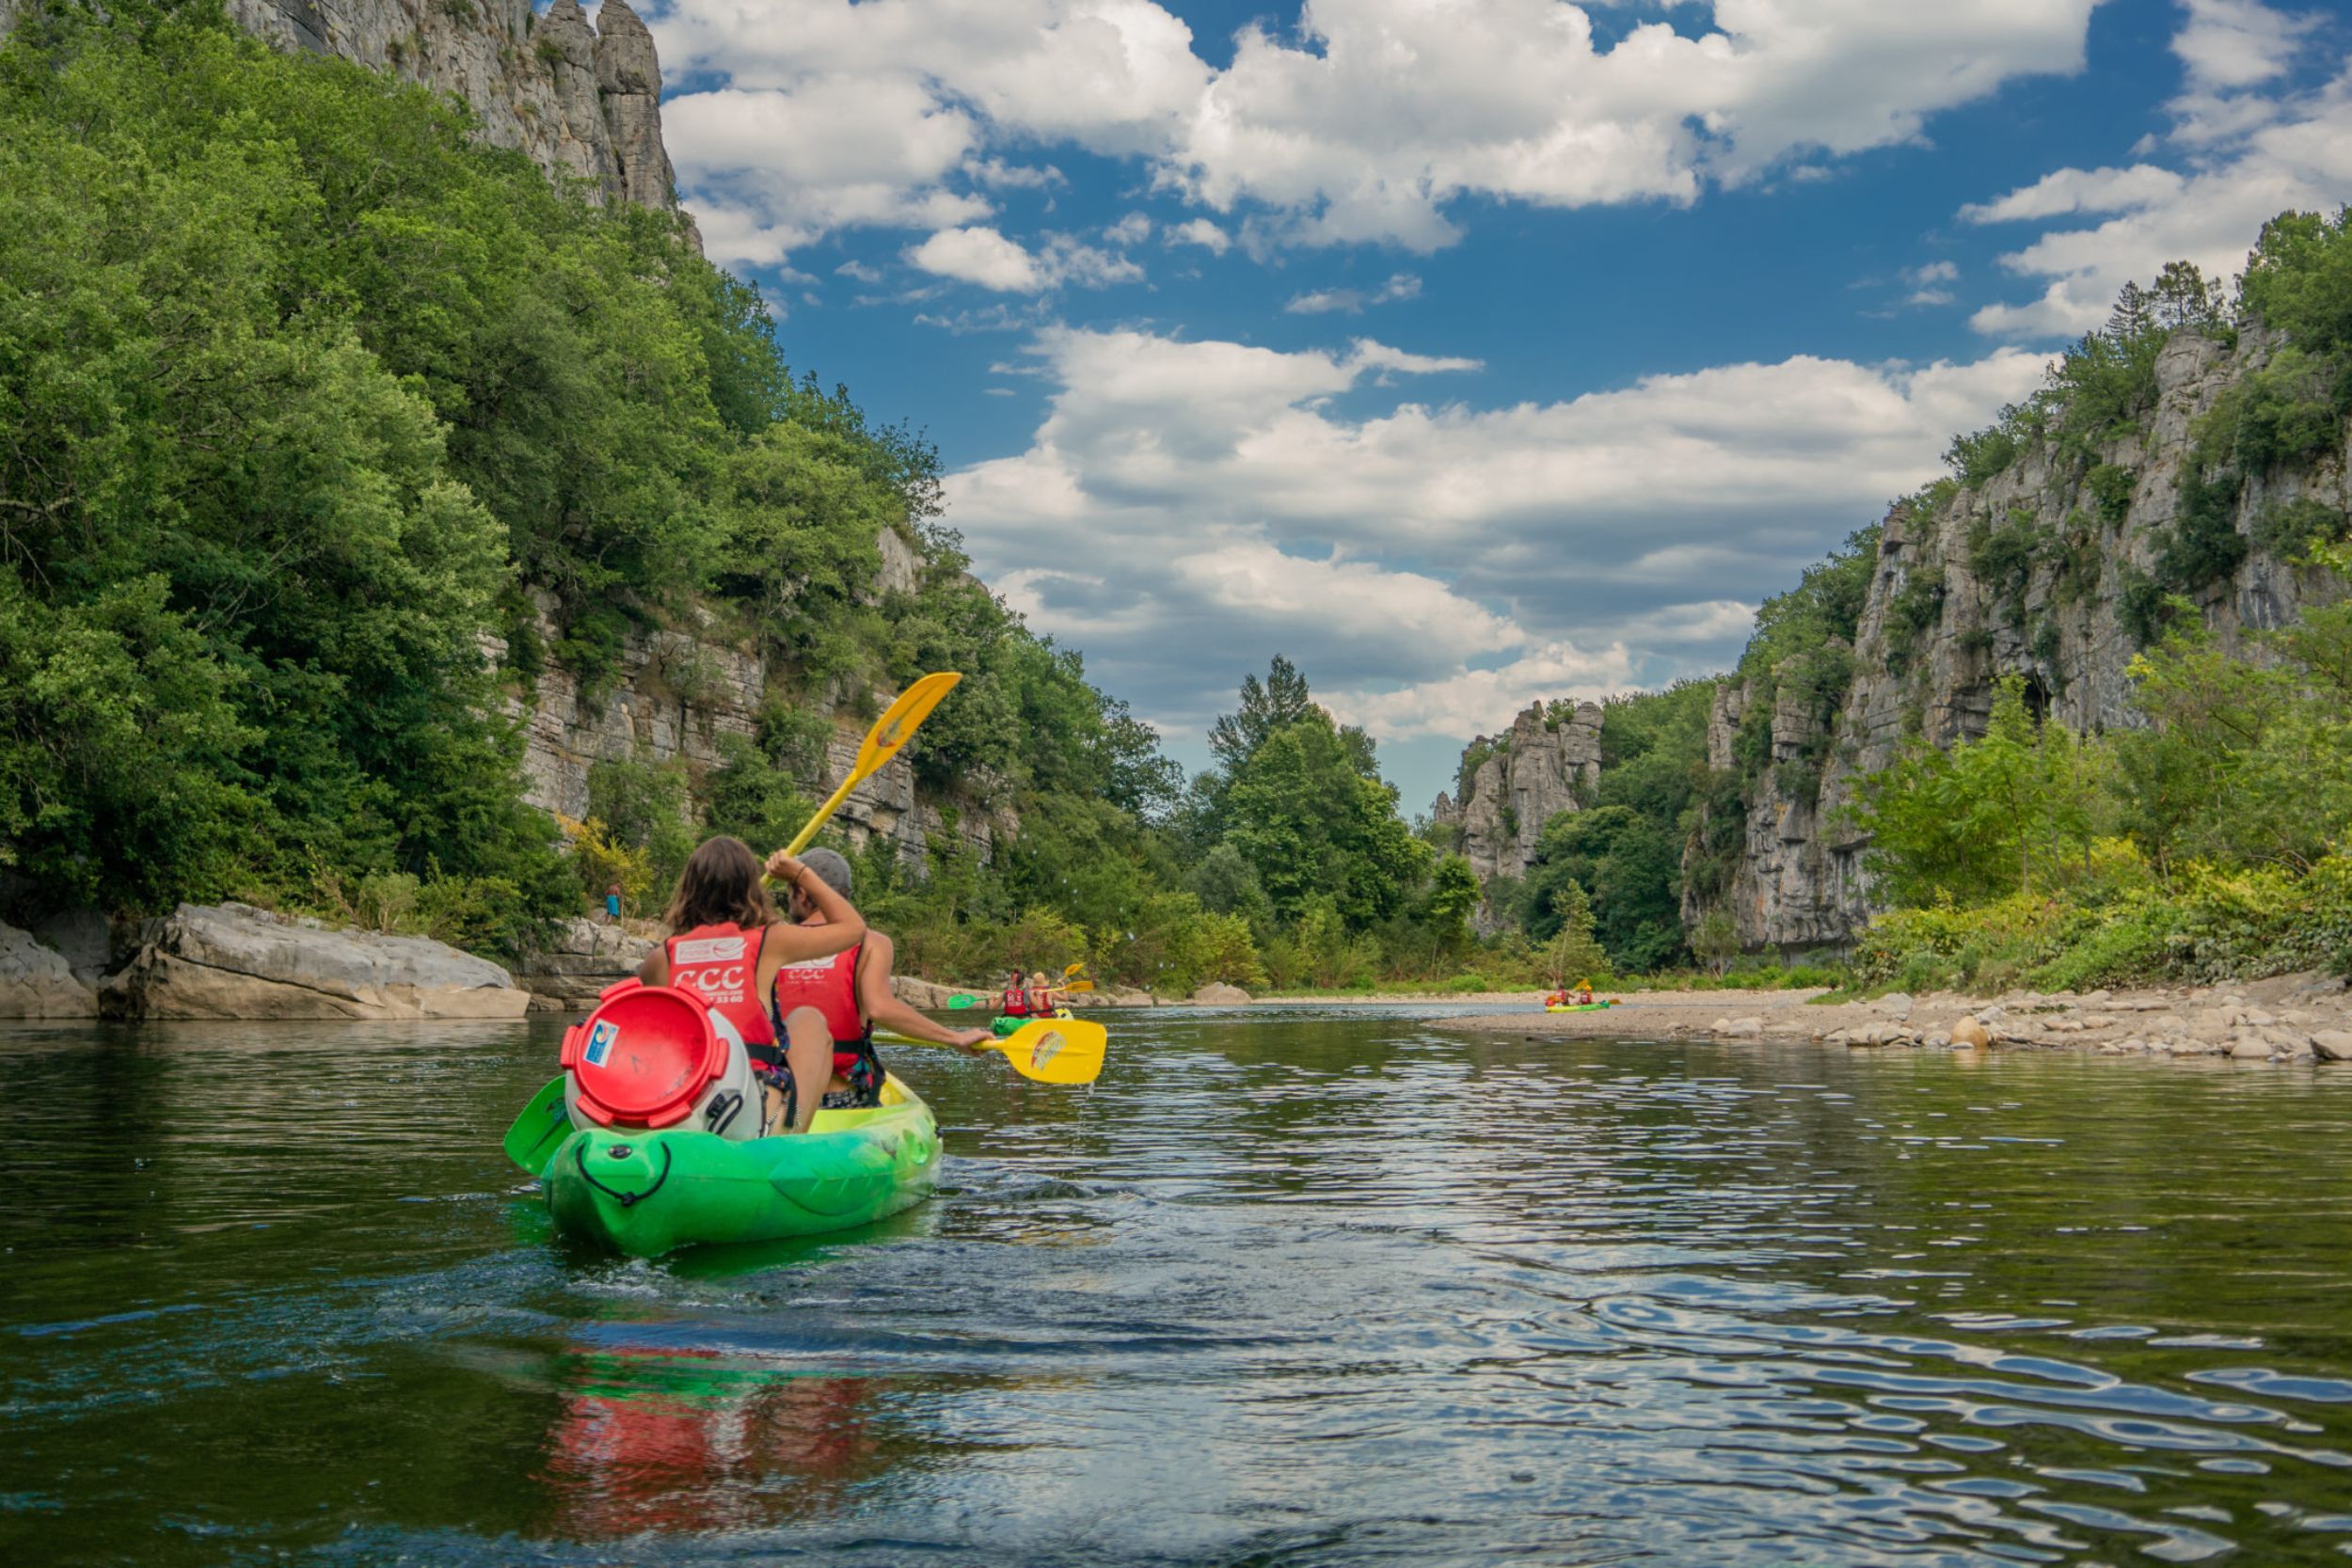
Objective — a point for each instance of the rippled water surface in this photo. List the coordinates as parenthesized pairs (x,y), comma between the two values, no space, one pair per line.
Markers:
(1281,1289)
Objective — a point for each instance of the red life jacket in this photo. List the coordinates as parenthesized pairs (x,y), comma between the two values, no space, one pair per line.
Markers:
(1016,1003)
(830,986)
(721,964)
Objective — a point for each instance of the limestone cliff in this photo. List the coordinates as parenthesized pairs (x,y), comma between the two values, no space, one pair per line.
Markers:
(1946,617)
(677,695)
(1548,762)
(580,101)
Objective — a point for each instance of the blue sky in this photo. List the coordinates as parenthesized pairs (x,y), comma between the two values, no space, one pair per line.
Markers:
(1469,351)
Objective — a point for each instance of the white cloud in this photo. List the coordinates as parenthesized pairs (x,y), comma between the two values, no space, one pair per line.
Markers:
(1366,121)
(981,256)
(1928,283)
(987,258)
(1404,285)
(2229,44)
(1133,228)
(1207,506)
(1200,231)
(2081,190)
(1480,700)
(2245,157)
(834,154)
(859,272)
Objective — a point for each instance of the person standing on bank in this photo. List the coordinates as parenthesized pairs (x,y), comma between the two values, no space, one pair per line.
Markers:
(851,989)
(726,943)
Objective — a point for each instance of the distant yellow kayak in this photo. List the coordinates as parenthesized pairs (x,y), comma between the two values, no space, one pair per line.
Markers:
(1577,1006)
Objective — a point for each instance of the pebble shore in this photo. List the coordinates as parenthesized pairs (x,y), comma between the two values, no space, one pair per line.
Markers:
(2287,1019)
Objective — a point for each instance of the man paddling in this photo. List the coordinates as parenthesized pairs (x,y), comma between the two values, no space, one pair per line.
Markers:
(852,990)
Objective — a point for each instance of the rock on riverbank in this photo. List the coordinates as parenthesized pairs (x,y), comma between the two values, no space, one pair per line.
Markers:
(585,956)
(2290,1018)
(234,961)
(35,982)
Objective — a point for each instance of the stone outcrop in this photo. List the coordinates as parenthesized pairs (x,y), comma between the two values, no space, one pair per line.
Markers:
(629,87)
(37,982)
(578,102)
(582,958)
(1547,763)
(1933,639)
(1216,993)
(234,961)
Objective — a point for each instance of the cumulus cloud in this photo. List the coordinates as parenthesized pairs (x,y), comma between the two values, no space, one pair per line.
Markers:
(1200,231)
(1442,708)
(984,257)
(2244,156)
(1433,566)
(1366,120)
(834,152)
(981,256)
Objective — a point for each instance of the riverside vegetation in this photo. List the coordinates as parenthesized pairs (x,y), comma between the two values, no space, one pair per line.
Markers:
(306,398)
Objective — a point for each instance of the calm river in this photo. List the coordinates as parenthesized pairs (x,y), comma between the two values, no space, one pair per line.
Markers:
(1283,1288)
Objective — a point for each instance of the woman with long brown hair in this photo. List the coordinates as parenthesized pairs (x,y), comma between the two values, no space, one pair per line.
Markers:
(726,945)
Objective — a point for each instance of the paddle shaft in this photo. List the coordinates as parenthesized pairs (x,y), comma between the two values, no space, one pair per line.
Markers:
(824,814)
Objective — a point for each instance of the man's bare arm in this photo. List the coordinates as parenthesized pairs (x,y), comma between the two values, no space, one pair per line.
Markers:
(882,1004)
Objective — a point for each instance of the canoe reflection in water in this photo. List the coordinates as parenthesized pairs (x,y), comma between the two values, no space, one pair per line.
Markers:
(694,1440)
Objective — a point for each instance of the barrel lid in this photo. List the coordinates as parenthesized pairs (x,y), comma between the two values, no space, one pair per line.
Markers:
(644,1057)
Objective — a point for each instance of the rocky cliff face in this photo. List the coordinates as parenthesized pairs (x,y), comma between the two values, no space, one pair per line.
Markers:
(580,101)
(677,695)
(1540,768)
(1935,636)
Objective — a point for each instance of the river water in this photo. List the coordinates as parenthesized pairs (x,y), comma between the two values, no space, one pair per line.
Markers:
(1281,1289)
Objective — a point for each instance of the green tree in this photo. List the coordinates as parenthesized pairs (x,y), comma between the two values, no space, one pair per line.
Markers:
(1974,822)
(1310,825)
(1266,707)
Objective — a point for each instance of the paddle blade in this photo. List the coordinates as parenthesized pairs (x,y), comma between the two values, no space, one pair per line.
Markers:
(1057,1051)
(957,1004)
(1072,970)
(541,1130)
(899,722)
(893,730)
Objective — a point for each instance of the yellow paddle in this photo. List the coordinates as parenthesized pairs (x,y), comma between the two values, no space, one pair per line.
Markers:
(893,730)
(1052,1050)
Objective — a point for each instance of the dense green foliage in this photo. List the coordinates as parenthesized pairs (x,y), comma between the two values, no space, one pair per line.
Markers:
(247,573)
(307,399)
(1619,860)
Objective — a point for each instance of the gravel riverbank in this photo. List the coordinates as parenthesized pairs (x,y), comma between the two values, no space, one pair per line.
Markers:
(2290,1018)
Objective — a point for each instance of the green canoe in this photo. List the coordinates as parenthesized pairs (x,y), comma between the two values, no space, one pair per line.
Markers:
(1005,1026)
(644,1194)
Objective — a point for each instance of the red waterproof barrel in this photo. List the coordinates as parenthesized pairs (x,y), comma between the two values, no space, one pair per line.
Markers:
(644,1057)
